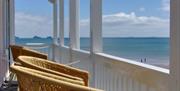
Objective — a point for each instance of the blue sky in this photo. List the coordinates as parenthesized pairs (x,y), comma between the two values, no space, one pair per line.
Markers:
(121,18)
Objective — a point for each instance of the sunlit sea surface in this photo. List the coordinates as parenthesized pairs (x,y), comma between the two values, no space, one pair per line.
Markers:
(149,50)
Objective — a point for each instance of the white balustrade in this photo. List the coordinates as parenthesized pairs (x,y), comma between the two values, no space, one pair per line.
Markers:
(41,47)
(113,73)
(118,74)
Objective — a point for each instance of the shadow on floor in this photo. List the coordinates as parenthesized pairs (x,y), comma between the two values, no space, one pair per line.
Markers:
(9,86)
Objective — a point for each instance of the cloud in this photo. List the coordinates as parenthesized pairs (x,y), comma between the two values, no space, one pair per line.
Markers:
(165,5)
(114,25)
(28,25)
(130,25)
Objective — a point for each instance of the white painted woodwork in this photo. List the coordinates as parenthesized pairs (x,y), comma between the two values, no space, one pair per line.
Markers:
(1,25)
(12,21)
(108,72)
(5,21)
(95,33)
(119,74)
(175,46)
(3,40)
(61,22)
(55,30)
(96,25)
(3,66)
(43,48)
(4,31)
(11,26)
(55,22)
(74,24)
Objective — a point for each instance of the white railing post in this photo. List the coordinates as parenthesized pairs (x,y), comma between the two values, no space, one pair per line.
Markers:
(1,25)
(61,28)
(74,24)
(96,25)
(4,5)
(96,32)
(61,22)
(74,27)
(12,25)
(55,31)
(55,22)
(175,45)
(2,28)
(12,21)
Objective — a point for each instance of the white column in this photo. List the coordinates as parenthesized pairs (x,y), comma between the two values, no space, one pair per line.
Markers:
(96,33)
(55,31)
(1,38)
(12,21)
(61,22)
(55,22)
(96,25)
(2,24)
(3,29)
(74,24)
(175,46)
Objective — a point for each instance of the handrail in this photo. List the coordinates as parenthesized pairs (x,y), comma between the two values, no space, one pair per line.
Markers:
(114,73)
(41,47)
(115,60)
(145,74)
(118,74)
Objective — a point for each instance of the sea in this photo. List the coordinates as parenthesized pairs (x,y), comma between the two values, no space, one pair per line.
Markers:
(148,50)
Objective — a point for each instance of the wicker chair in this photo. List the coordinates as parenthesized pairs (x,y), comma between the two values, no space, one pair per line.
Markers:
(19,50)
(34,80)
(53,68)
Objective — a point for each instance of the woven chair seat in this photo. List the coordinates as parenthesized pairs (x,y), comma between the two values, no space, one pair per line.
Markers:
(35,80)
(54,68)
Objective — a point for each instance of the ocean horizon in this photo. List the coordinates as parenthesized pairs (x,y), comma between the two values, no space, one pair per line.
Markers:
(151,50)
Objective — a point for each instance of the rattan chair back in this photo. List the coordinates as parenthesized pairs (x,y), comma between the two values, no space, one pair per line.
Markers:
(20,50)
(34,80)
(54,68)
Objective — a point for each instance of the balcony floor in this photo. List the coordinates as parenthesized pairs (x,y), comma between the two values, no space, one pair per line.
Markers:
(9,87)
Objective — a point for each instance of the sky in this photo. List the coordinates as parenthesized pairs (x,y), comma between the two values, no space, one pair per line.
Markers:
(121,18)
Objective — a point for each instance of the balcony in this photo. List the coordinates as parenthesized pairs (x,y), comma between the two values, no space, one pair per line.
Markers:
(108,72)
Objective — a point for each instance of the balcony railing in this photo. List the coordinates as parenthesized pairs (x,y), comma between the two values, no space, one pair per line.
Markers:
(107,72)
(117,74)
(41,47)
(113,73)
